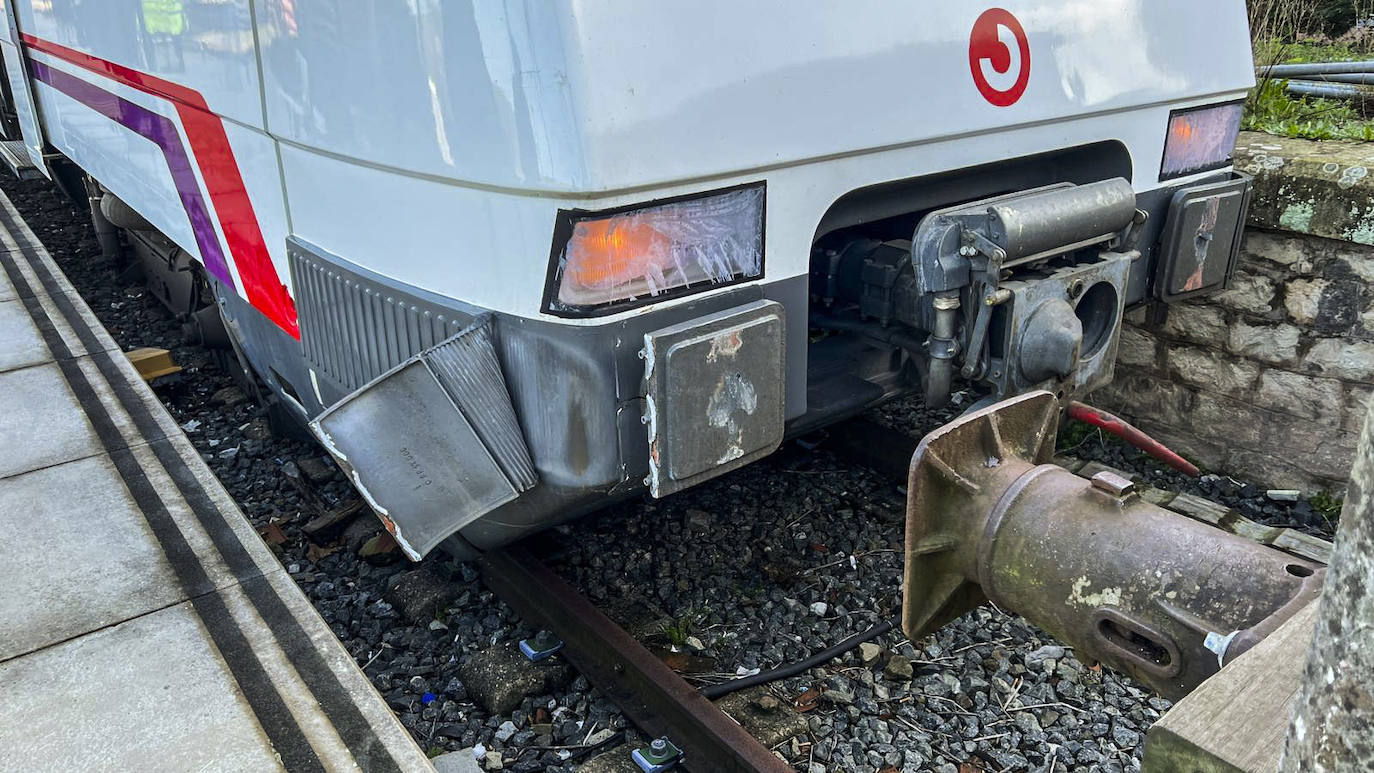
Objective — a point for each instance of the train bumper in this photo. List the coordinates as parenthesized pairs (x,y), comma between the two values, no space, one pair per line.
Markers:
(566,418)
(434,444)
(490,426)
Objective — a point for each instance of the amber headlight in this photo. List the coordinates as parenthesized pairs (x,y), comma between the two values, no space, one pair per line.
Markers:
(606,261)
(1200,139)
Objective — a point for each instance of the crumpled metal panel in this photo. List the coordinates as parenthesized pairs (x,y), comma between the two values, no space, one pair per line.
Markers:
(714,394)
(434,443)
(467,368)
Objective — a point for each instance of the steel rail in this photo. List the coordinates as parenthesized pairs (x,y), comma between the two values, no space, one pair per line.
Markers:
(654,697)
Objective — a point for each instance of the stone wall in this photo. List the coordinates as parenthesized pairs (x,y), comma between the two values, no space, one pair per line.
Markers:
(1269,379)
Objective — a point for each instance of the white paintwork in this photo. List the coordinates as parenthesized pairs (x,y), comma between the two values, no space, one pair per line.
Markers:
(215,54)
(256,154)
(434,141)
(603,95)
(492,247)
(131,166)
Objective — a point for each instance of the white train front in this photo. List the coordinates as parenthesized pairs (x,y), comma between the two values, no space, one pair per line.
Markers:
(512,259)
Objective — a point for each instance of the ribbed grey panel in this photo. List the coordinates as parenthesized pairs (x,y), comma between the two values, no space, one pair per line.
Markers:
(354,329)
(467,368)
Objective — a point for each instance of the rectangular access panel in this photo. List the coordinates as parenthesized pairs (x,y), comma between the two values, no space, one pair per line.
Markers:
(714,390)
(1201,238)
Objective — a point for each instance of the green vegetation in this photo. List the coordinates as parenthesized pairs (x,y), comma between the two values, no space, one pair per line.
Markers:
(1299,31)
(1074,433)
(1302,51)
(677,631)
(1273,110)
(1327,506)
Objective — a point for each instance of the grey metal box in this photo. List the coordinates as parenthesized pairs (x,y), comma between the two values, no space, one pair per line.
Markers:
(714,389)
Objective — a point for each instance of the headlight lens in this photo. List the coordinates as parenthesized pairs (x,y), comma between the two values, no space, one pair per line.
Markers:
(615,259)
(1200,139)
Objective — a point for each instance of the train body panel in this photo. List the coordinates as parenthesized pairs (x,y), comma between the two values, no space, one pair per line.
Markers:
(208,48)
(361,181)
(484,246)
(595,97)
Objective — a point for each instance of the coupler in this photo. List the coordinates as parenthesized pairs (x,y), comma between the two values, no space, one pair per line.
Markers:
(1146,591)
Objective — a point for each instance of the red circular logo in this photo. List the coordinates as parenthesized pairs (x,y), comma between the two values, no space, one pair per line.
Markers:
(999,56)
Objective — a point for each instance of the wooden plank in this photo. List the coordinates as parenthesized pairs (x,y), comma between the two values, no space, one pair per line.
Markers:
(152,362)
(1237,719)
(1200,509)
(1156,496)
(1305,545)
(1070,463)
(1225,518)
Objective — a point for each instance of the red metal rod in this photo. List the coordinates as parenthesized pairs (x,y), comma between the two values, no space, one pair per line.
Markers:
(1115,425)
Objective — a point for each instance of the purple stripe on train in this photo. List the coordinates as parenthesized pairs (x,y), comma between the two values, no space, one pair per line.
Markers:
(163,133)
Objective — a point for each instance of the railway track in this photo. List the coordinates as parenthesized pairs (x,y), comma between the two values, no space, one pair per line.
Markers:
(663,704)
(651,694)
(769,508)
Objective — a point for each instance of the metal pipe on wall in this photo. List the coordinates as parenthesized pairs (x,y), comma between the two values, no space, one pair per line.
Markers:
(1327,90)
(1313,68)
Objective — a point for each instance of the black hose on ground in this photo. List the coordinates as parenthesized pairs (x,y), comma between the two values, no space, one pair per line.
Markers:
(611,740)
(722,689)
(714,691)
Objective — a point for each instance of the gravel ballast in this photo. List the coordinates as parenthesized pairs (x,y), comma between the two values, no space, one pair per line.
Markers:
(758,568)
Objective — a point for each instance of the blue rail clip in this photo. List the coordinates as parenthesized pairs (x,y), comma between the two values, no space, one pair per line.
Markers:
(658,756)
(541,646)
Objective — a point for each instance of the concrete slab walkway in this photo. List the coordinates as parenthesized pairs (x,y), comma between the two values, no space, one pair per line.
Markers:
(143,623)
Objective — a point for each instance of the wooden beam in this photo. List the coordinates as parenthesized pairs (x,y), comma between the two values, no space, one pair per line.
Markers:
(1237,719)
(1225,518)
(152,362)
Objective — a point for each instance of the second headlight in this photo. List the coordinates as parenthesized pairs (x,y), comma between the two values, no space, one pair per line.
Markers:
(612,260)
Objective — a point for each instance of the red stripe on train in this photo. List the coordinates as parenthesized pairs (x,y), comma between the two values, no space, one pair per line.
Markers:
(223,182)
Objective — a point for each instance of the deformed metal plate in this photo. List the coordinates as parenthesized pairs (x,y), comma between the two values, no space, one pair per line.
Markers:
(434,443)
(1201,238)
(414,456)
(715,390)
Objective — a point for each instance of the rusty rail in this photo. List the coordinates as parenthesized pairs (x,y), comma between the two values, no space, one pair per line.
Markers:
(655,698)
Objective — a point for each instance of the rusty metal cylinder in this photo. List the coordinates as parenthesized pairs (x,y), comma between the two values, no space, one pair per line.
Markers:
(1155,594)
(1149,592)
